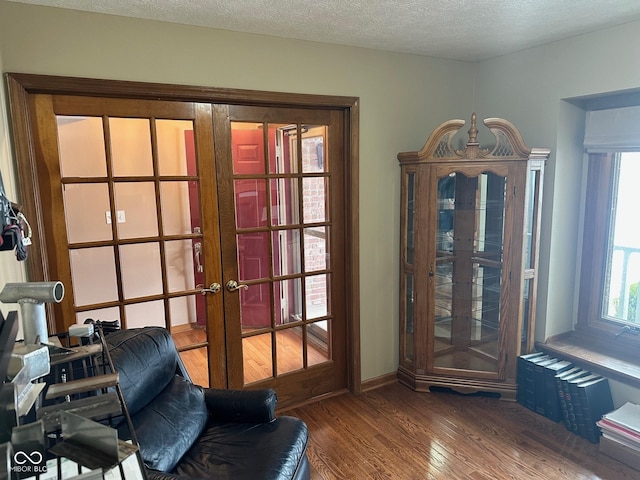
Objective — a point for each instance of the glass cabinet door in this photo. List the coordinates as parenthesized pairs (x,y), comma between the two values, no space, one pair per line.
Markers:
(531,227)
(468,271)
(408,283)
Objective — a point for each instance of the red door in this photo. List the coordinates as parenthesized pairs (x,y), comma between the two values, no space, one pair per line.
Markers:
(251,212)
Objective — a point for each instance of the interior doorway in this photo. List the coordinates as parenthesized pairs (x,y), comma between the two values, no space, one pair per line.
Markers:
(145,218)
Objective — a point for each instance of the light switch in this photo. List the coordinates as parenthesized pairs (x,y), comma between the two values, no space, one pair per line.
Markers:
(121,217)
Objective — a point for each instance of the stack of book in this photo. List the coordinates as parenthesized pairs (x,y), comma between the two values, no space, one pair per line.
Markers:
(589,397)
(621,434)
(537,385)
(562,391)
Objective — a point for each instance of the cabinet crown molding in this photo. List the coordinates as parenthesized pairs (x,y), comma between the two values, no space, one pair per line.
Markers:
(508,145)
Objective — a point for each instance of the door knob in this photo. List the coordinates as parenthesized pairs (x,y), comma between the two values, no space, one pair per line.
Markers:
(232,286)
(213,288)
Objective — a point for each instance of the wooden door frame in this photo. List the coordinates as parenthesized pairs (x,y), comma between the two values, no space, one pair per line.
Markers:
(22,87)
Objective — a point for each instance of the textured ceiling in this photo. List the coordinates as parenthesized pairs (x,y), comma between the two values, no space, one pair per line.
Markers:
(456,29)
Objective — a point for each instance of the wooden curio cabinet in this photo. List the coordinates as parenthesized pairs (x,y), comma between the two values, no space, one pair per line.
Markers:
(470,221)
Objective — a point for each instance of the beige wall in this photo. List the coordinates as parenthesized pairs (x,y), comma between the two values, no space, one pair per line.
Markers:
(402,98)
(10,269)
(530,88)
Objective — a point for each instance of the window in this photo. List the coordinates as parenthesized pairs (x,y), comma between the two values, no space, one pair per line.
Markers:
(622,276)
(610,274)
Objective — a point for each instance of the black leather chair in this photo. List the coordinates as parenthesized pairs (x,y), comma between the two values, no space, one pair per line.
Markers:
(187,431)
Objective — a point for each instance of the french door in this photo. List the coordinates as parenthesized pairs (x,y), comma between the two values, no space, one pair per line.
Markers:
(223,223)
(281,174)
(131,219)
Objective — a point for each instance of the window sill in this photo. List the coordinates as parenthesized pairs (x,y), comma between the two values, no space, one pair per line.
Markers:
(617,366)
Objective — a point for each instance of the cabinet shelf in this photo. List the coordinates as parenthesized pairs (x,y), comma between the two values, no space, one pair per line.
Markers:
(466,291)
(443,326)
(466,361)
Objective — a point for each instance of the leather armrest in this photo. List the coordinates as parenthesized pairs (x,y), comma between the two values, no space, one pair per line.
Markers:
(241,406)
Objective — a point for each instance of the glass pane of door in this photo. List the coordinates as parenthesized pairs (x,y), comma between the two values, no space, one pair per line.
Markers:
(132,210)
(468,271)
(282,221)
(408,316)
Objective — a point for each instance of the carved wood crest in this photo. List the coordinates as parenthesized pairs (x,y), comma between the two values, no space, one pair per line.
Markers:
(509,144)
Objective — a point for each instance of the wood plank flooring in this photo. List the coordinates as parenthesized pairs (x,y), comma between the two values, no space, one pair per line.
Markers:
(195,361)
(395,433)
(257,355)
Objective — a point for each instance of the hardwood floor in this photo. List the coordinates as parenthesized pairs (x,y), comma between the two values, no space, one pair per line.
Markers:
(397,434)
(195,361)
(257,361)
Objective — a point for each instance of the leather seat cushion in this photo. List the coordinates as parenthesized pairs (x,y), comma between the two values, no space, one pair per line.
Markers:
(236,451)
(168,426)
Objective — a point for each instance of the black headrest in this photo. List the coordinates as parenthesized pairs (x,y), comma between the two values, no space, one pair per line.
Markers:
(146,360)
